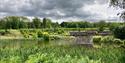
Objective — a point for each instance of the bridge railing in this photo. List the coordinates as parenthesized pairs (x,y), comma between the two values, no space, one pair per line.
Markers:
(89,33)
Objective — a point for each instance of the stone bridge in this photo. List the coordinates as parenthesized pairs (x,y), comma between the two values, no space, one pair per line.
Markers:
(86,37)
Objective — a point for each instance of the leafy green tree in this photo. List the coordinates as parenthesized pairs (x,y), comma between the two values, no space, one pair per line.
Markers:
(15,22)
(101,25)
(37,22)
(55,25)
(63,24)
(112,26)
(44,22)
(2,24)
(23,23)
(119,32)
(47,23)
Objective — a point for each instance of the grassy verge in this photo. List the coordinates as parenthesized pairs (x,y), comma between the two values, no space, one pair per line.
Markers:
(62,54)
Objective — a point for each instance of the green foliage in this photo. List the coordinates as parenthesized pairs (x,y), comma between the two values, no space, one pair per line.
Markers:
(107,40)
(14,22)
(97,40)
(12,59)
(62,54)
(118,41)
(43,35)
(47,23)
(119,32)
(59,31)
(36,22)
(19,22)
(76,24)
(113,26)
(49,58)
(100,29)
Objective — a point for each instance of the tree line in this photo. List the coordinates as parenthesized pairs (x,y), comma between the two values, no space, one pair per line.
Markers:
(16,22)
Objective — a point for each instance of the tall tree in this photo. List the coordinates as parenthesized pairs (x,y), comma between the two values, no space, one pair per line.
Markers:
(44,22)
(2,24)
(37,22)
(15,22)
(23,22)
(47,23)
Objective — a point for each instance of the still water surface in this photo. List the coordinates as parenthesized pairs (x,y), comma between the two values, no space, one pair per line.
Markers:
(20,43)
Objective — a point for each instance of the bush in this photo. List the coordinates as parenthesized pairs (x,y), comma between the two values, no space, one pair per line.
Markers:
(100,29)
(118,41)
(97,40)
(107,40)
(40,34)
(43,35)
(55,37)
(119,32)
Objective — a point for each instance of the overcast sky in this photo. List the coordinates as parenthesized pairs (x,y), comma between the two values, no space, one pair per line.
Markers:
(60,10)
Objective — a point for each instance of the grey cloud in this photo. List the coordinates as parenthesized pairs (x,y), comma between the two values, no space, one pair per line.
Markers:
(47,8)
(40,7)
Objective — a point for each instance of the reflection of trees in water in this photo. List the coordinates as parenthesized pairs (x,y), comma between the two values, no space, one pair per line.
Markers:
(42,43)
(84,40)
(17,43)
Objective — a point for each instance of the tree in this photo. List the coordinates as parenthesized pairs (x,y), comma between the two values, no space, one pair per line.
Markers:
(47,23)
(64,24)
(44,22)
(37,22)
(119,4)
(2,24)
(15,22)
(55,25)
(119,32)
(101,25)
(23,22)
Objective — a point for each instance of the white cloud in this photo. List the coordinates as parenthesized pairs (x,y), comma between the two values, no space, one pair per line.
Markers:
(59,10)
(101,11)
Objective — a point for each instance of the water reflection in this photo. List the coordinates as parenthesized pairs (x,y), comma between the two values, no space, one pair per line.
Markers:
(30,43)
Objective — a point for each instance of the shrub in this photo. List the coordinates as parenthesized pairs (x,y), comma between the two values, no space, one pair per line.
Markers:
(39,34)
(119,32)
(97,40)
(34,35)
(43,35)
(54,37)
(118,41)
(107,40)
(100,29)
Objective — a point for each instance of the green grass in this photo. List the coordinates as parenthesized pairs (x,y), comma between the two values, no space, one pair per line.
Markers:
(62,54)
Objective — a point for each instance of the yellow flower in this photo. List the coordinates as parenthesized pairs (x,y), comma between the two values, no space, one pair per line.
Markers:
(46,33)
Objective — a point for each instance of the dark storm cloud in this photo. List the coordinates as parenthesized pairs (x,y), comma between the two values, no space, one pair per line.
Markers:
(50,8)
(55,9)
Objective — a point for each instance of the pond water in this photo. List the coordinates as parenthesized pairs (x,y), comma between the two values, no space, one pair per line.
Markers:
(20,43)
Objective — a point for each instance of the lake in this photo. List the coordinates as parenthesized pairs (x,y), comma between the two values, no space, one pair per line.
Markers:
(27,43)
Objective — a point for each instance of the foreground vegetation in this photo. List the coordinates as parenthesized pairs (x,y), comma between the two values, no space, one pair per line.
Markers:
(62,54)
